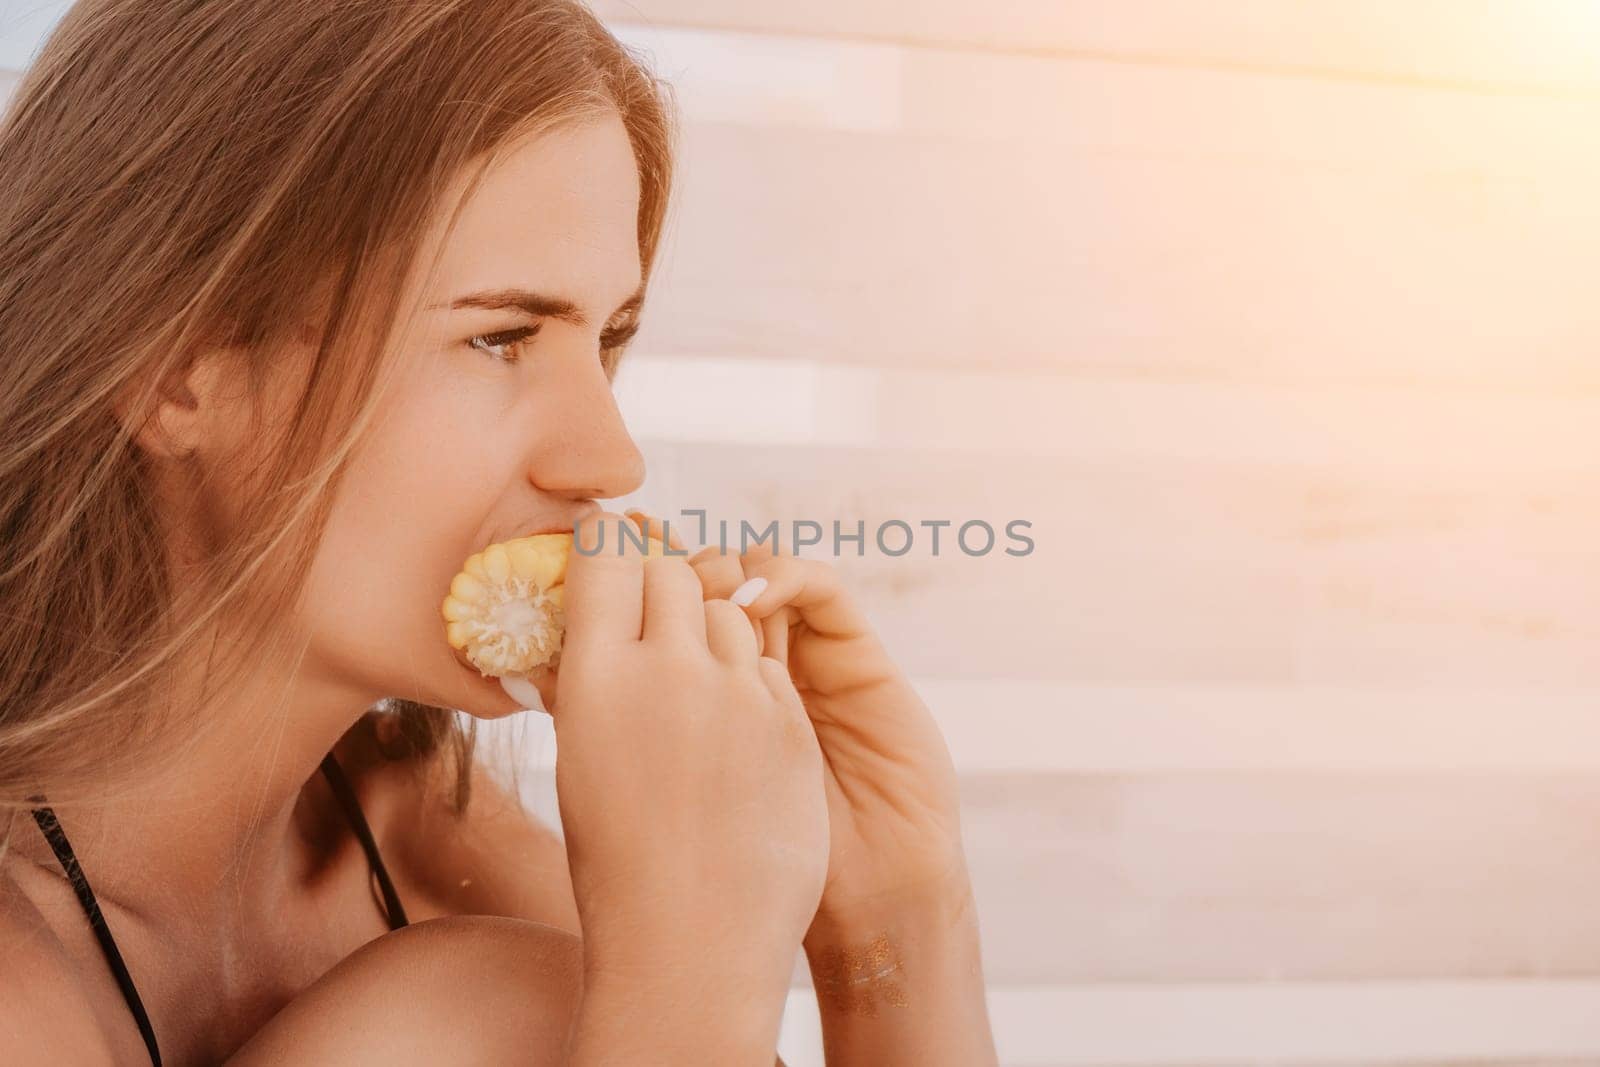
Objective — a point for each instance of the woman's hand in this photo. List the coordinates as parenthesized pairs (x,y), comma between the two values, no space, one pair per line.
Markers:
(690,790)
(894,820)
(893,949)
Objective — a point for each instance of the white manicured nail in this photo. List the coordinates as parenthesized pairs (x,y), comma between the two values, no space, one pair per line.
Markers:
(746,594)
(523,692)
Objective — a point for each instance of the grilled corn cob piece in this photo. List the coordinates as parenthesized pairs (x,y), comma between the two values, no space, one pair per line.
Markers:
(504,611)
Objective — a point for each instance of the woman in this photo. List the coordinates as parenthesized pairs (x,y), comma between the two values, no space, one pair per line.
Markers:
(304,303)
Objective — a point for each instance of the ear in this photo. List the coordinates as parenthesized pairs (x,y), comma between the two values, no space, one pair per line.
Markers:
(196,410)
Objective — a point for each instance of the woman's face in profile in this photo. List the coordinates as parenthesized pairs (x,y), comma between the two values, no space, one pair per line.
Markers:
(489,430)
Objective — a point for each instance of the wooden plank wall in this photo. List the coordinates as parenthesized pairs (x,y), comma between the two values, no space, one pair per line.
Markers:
(1276,322)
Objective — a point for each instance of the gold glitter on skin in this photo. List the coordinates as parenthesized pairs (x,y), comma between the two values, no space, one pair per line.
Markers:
(859,981)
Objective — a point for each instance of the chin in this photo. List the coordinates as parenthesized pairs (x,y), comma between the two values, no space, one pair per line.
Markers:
(431,673)
(485,698)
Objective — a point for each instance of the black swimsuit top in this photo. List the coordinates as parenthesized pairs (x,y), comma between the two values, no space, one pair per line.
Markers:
(53,833)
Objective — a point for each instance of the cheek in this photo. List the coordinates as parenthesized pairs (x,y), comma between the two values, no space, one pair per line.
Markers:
(412,505)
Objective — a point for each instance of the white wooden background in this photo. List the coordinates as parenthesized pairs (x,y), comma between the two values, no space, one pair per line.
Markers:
(1277,320)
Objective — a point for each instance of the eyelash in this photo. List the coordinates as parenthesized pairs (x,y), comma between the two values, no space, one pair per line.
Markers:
(610,341)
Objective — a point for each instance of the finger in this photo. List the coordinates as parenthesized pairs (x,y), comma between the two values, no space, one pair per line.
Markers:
(720,572)
(774,631)
(660,529)
(778,681)
(728,633)
(781,686)
(672,605)
(604,599)
(813,589)
(760,550)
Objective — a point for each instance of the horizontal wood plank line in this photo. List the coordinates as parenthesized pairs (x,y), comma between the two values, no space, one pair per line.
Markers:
(1547,46)
(1250,877)
(999,726)
(996,726)
(1177,269)
(1424,1022)
(1178,570)
(1094,109)
(741,400)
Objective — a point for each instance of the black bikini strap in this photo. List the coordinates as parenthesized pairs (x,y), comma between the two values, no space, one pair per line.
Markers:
(48,824)
(352,809)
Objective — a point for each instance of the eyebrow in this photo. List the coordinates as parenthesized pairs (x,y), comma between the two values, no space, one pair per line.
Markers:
(538,305)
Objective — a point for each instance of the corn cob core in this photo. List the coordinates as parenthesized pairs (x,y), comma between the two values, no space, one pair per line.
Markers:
(504,611)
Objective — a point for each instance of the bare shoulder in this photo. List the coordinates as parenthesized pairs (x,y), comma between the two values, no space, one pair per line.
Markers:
(463,983)
(46,1015)
(452,990)
(487,856)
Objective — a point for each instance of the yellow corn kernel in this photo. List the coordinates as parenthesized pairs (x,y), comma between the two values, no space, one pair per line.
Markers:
(504,611)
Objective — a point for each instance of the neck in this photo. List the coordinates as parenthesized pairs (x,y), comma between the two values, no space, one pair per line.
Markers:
(229,829)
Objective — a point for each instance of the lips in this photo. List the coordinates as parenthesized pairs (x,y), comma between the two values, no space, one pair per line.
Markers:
(565,526)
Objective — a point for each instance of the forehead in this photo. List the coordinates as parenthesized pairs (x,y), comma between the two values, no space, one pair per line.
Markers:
(556,212)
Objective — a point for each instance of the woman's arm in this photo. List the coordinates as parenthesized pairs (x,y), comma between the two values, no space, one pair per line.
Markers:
(457,990)
(893,947)
(901,982)
(498,859)
(696,833)
(495,858)
(468,990)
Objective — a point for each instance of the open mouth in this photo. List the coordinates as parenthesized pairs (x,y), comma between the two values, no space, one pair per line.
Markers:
(505,613)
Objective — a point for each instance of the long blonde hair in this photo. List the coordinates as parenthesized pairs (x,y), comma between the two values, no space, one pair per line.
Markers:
(174,176)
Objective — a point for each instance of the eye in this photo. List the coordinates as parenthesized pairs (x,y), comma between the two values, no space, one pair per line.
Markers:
(506,339)
(612,343)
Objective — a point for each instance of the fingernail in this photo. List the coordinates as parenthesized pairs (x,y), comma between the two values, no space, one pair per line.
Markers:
(523,692)
(746,594)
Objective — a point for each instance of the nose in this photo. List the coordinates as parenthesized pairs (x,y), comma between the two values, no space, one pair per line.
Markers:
(583,449)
